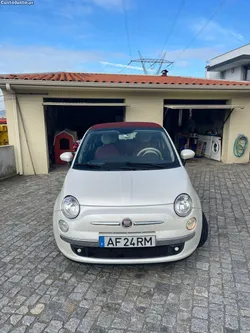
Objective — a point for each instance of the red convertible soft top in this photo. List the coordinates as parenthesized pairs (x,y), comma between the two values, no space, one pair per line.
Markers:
(125,124)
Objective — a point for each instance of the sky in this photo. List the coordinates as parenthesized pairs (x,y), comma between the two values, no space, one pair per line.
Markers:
(105,35)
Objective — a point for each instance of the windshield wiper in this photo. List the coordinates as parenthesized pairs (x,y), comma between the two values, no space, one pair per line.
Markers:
(146,165)
(121,166)
(91,165)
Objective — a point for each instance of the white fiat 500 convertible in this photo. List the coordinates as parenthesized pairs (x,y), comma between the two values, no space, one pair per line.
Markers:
(127,198)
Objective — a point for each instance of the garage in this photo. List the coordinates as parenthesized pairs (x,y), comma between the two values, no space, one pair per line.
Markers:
(75,116)
(197,125)
(42,105)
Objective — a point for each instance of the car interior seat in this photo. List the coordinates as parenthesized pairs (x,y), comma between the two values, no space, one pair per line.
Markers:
(108,148)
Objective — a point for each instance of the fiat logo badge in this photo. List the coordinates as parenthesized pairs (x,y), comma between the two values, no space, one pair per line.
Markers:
(127,223)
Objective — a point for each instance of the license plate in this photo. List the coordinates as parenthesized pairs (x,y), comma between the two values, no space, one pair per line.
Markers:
(127,241)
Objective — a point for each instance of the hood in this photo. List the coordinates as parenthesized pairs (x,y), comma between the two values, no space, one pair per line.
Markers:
(126,188)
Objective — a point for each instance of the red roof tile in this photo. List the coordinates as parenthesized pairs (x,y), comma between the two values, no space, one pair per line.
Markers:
(121,78)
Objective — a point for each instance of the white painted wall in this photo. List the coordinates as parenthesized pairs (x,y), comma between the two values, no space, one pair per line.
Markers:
(7,162)
(231,54)
(213,75)
(232,74)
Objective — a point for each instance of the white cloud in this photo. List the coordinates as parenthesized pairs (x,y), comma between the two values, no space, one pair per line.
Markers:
(239,36)
(193,58)
(108,4)
(216,32)
(17,59)
(76,8)
(201,53)
(106,63)
(71,9)
(183,64)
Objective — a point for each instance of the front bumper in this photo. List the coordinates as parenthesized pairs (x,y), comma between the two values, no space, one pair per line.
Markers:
(169,229)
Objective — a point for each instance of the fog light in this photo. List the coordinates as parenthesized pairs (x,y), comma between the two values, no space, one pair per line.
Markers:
(191,223)
(63,226)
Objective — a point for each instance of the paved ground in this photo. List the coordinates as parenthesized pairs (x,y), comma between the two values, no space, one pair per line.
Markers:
(41,291)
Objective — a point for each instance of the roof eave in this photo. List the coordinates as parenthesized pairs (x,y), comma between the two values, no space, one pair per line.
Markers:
(159,86)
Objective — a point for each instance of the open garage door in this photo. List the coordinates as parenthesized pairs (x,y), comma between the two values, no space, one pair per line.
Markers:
(76,115)
(198,125)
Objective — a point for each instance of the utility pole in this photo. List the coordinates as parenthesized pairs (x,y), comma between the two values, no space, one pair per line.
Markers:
(152,62)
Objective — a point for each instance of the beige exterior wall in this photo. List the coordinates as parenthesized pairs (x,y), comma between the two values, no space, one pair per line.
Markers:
(238,123)
(34,125)
(143,106)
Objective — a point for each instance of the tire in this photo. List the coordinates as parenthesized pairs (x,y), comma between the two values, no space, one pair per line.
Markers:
(204,232)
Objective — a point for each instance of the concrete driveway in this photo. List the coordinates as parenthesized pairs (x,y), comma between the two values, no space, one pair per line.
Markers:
(41,291)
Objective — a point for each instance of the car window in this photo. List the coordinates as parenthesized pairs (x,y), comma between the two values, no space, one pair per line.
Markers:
(126,149)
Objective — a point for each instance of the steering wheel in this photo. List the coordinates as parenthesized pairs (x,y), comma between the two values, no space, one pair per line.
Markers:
(150,150)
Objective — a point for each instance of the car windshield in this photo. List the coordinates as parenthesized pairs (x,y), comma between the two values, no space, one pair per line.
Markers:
(126,149)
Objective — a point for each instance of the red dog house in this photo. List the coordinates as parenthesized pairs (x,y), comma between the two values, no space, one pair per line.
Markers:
(63,142)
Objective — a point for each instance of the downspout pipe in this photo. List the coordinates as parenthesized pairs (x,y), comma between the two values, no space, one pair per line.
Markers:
(17,129)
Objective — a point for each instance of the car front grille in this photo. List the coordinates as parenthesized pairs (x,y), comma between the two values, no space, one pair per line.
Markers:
(128,253)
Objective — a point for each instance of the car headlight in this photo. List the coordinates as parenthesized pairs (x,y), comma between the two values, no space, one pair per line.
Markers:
(70,207)
(183,205)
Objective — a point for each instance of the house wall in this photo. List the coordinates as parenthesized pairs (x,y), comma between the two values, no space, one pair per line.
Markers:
(232,74)
(238,123)
(32,133)
(7,162)
(34,125)
(143,106)
(231,54)
(213,75)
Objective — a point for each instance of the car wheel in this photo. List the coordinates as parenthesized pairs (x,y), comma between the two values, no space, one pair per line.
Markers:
(204,232)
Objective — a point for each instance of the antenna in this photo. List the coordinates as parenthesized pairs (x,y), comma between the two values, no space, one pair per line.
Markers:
(152,62)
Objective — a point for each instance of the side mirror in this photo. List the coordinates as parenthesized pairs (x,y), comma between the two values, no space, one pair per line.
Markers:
(66,157)
(186,154)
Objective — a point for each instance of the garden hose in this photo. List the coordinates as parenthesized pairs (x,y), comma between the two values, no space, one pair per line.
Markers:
(240,145)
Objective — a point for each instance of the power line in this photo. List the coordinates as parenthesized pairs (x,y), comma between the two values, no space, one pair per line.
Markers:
(126,26)
(127,33)
(126,66)
(223,2)
(170,30)
(172,25)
